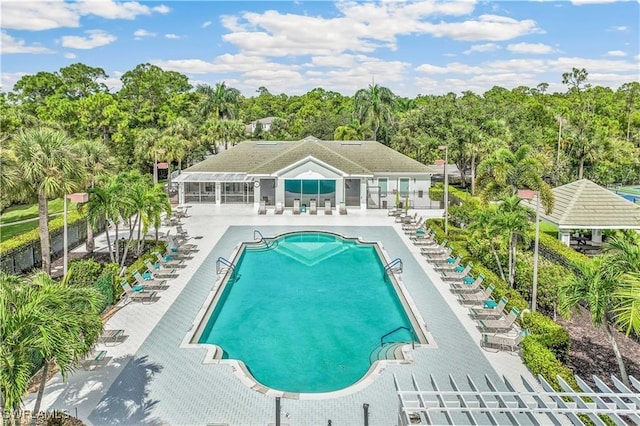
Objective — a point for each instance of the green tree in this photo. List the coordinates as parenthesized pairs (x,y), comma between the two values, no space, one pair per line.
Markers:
(374,107)
(48,166)
(55,321)
(513,222)
(504,172)
(218,102)
(96,161)
(595,287)
(621,264)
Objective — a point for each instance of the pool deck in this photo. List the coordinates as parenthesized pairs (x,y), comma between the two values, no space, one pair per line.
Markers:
(150,379)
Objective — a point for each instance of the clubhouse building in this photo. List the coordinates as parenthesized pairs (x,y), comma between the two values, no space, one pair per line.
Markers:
(356,174)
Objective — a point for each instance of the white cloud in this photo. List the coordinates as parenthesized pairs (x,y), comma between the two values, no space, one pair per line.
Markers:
(363,27)
(618,53)
(487,47)
(142,33)
(95,38)
(40,15)
(9,79)
(69,55)
(161,9)
(530,48)
(485,27)
(205,24)
(172,36)
(619,28)
(12,45)
(226,63)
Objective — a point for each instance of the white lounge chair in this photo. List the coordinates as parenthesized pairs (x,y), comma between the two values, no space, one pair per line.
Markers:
(499,325)
(502,342)
(263,207)
(343,208)
(141,295)
(296,206)
(494,312)
(279,208)
(327,207)
(313,207)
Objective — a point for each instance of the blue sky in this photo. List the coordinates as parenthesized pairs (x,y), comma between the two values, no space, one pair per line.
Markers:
(417,47)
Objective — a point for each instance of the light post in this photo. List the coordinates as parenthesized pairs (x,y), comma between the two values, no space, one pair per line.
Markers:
(78,197)
(528,194)
(446,188)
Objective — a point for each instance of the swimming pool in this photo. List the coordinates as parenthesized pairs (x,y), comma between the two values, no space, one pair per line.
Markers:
(307,314)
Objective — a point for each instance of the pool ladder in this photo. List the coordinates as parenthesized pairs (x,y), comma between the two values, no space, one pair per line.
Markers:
(394,266)
(257,235)
(224,265)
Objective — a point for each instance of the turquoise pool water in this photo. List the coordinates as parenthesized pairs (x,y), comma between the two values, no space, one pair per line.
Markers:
(306,314)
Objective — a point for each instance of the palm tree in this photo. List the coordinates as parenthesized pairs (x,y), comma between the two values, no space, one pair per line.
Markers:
(622,264)
(179,136)
(55,321)
(221,101)
(485,226)
(104,204)
(374,106)
(593,286)
(504,172)
(155,203)
(513,222)
(47,166)
(73,314)
(96,159)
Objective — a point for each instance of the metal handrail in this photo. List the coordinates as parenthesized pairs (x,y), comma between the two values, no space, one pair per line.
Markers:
(394,262)
(262,238)
(402,327)
(226,263)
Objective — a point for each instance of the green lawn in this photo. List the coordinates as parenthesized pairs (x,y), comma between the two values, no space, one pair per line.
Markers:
(27,212)
(10,231)
(30,211)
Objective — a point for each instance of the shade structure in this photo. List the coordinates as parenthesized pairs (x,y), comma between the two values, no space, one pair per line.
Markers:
(584,204)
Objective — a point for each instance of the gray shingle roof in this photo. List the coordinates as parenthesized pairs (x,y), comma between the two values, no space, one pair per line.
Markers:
(354,158)
(584,204)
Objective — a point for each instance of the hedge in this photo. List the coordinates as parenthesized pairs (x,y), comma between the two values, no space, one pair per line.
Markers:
(436,192)
(552,335)
(552,344)
(556,251)
(541,360)
(20,241)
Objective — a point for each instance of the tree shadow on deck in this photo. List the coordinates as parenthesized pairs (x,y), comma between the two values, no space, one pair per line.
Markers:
(126,401)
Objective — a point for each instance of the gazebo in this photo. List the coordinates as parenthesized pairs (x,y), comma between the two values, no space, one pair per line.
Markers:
(586,205)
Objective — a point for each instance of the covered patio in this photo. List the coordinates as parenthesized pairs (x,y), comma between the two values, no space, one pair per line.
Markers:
(583,210)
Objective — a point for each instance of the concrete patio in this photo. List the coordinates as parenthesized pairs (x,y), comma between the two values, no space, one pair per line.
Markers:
(152,380)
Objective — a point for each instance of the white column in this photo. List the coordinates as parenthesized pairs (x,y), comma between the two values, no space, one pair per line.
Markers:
(256,195)
(363,194)
(218,193)
(565,237)
(181,193)
(596,235)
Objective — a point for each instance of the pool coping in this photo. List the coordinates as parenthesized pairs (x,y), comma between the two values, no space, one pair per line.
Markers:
(213,354)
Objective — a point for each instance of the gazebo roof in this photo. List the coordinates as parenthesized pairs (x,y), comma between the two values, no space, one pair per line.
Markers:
(586,205)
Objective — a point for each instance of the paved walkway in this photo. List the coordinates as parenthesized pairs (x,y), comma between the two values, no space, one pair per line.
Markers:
(151,379)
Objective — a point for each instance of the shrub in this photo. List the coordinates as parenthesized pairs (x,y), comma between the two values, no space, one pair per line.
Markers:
(556,251)
(104,284)
(550,334)
(20,241)
(84,273)
(436,192)
(540,360)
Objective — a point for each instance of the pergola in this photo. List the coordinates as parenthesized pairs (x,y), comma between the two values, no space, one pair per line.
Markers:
(586,205)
